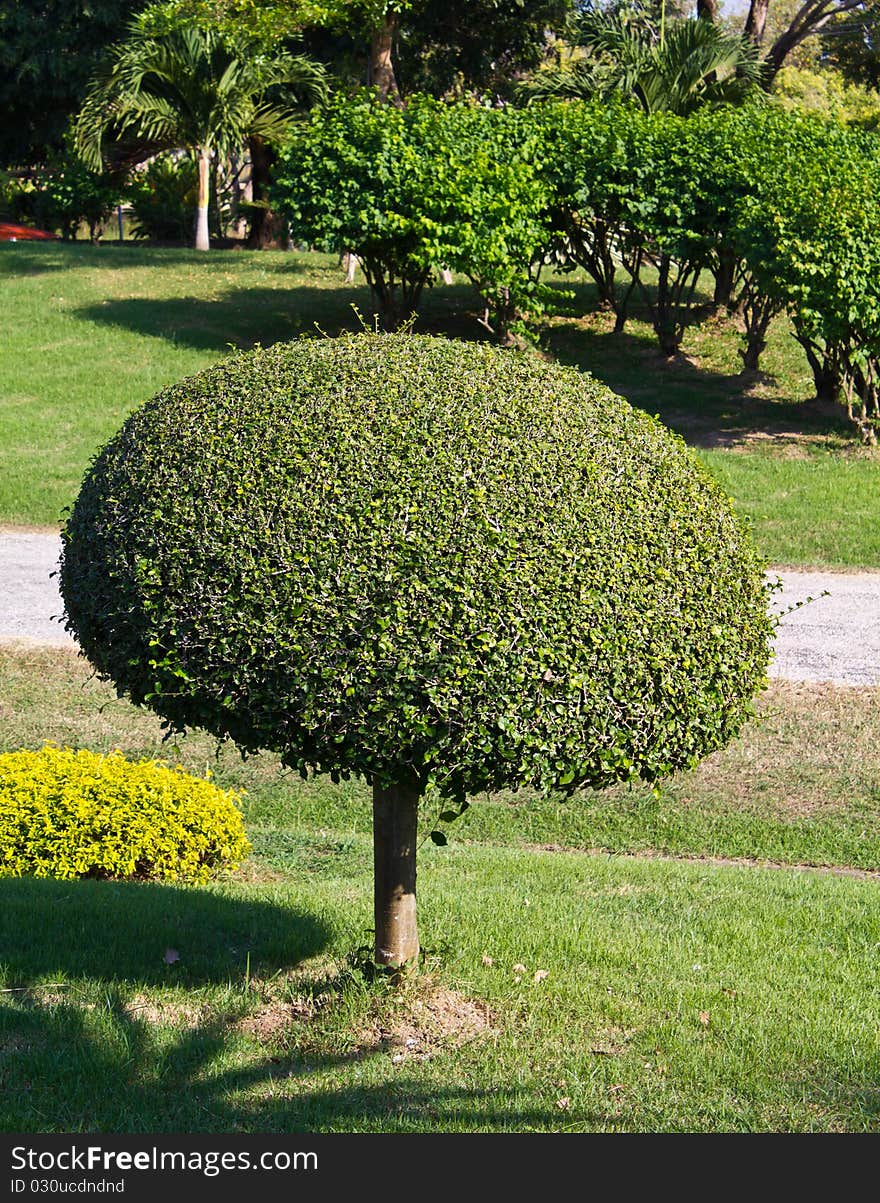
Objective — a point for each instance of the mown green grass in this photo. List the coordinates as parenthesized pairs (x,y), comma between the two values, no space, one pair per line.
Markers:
(611,994)
(809,490)
(90,333)
(817,510)
(561,990)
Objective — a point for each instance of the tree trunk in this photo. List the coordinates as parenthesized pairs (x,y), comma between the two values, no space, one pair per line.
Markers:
(707,9)
(395,830)
(756,21)
(382,75)
(807,18)
(827,374)
(667,329)
(781,49)
(752,352)
(203,242)
(267,228)
(722,297)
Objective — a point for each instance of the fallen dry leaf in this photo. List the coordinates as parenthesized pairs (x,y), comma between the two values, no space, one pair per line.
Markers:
(540,974)
(488,960)
(519,969)
(564,1103)
(704,1017)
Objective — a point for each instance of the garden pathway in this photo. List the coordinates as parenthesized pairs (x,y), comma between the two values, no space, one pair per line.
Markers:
(832,638)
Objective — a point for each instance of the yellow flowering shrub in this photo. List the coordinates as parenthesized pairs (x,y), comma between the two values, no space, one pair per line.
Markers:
(68,814)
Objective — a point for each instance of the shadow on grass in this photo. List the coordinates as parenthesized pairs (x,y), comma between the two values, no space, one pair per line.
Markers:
(21,259)
(246,316)
(69,1069)
(77,1058)
(104,1068)
(119,932)
(709,409)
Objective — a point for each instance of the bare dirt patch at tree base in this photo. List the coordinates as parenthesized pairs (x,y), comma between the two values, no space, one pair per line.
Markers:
(434,1020)
(422,1021)
(276,1019)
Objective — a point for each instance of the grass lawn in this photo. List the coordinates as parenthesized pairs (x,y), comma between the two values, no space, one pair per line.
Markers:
(92,332)
(651,997)
(561,990)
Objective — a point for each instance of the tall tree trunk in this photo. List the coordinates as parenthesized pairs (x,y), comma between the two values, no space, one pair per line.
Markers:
(707,9)
(782,48)
(267,228)
(395,830)
(809,18)
(756,21)
(382,74)
(203,241)
(725,274)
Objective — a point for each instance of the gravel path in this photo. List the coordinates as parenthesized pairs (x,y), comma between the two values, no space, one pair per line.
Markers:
(832,638)
(29,599)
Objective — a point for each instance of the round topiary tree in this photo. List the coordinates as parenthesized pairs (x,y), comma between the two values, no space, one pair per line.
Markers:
(438,565)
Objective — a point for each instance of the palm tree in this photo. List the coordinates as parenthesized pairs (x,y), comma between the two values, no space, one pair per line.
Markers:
(676,70)
(193,89)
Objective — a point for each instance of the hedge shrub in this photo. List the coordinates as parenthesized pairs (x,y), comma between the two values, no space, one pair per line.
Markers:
(67,814)
(780,206)
(499,194)
(397,555)
(436,184)
(358,177)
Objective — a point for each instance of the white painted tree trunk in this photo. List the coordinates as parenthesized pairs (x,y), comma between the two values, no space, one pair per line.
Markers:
(203,241)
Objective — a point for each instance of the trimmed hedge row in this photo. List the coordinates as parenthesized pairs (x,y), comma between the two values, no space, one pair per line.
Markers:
(783,209)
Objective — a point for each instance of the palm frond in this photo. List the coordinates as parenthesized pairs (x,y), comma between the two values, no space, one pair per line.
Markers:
(580,81)
(697,63)
(193,87)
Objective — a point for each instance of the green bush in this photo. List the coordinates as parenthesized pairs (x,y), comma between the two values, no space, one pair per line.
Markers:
(382,552)
(412,190)
(498,223)
(354,179)
(68,814)
(828,93)
(163,199)
(637,190)
(780,206)
(63,195)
